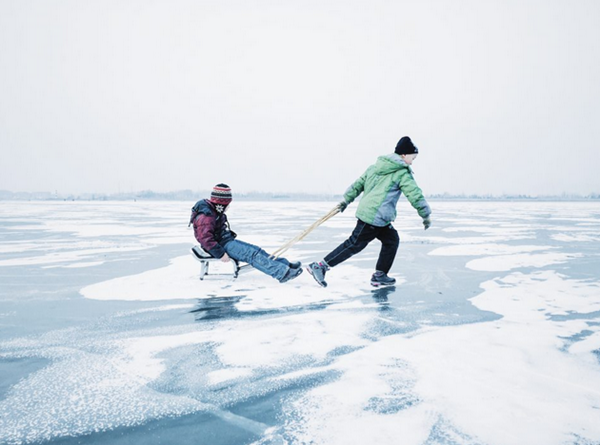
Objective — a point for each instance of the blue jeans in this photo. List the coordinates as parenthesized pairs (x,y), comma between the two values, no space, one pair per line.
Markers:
(257,258)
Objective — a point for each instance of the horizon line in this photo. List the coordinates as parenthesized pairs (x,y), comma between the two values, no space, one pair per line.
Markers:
(7,195)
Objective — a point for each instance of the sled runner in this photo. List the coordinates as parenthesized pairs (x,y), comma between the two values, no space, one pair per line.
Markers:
(206,258)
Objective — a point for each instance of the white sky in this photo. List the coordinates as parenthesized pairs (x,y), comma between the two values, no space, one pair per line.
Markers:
(109,95)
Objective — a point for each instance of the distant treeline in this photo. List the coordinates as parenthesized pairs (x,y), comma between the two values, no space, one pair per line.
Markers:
(148,195)
(190,195)
(508,197)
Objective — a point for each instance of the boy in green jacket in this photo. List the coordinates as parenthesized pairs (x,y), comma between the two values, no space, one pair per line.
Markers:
(382,185)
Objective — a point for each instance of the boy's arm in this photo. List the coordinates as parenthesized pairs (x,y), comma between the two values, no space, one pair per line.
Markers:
(413,193)
(355,189)
(204,230)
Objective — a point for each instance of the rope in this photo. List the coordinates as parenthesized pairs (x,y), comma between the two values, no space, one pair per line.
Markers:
(316,224)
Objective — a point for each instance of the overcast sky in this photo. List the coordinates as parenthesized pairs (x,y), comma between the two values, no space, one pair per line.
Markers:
(298,96)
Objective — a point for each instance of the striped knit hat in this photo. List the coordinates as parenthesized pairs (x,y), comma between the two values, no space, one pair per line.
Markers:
(221,194)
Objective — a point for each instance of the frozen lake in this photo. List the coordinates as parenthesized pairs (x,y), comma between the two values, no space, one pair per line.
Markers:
(491,335)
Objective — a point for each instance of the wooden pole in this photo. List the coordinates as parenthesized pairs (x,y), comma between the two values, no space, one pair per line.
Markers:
(316,224)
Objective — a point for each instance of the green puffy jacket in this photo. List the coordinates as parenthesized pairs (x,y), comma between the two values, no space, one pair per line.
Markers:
(382,184)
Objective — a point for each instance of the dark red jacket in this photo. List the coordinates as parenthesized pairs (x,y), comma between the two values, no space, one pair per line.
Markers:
(211,228)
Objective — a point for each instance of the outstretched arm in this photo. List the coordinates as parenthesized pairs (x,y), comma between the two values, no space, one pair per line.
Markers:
(415,196)
(355,189)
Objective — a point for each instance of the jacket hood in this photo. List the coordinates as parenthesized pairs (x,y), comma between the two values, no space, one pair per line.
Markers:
(389,164)
(202,206)
(205,207)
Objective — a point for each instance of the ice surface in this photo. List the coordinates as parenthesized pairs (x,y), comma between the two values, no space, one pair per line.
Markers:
(491,335)
(508,262)
(486,249)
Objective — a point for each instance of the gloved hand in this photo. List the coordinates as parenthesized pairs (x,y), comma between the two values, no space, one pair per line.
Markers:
(426,223)
(342,206)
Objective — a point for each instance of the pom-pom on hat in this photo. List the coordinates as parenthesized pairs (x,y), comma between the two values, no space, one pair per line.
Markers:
(405,147)
(221,194)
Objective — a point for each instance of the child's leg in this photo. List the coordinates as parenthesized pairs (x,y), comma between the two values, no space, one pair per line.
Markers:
(389,246)
(362,235)
(257,257)
(283,261)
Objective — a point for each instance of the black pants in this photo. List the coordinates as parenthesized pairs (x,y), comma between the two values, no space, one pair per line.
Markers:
(362,235)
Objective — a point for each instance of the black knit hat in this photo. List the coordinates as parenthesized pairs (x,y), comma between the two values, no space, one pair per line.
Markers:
(221,194)
(405,147)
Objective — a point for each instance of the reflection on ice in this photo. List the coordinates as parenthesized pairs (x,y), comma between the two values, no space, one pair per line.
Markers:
(226,307)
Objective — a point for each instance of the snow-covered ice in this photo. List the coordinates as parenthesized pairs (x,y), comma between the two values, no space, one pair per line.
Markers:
(490,336)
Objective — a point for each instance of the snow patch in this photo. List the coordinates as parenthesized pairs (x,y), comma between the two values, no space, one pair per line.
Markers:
(507,262)
(485,249)
(504,382)
(180,280)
